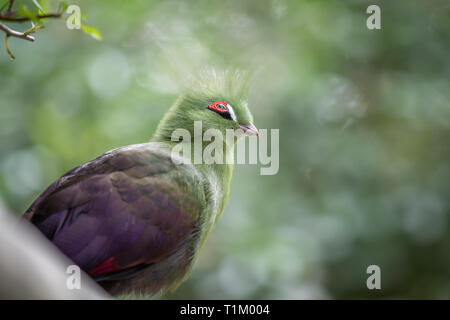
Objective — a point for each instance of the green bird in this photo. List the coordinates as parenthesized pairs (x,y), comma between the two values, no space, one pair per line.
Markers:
(133,218)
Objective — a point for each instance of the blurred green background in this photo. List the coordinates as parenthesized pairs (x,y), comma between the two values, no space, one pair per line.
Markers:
(364,119)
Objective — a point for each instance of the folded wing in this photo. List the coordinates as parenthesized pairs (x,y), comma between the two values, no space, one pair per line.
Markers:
(129,208)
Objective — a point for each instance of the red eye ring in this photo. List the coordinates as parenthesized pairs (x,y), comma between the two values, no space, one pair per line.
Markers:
(219,106)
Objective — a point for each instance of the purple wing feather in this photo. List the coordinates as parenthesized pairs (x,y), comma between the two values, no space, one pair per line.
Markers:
(126,208)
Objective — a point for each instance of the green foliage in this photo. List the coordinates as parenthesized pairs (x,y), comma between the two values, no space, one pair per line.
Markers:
(93,32)
(15,12)
(363,118)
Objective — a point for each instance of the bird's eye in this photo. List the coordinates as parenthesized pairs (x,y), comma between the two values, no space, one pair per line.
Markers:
(218,106)
(222,108)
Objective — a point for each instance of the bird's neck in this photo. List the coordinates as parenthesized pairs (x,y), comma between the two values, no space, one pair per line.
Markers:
(218,175)
(196,154)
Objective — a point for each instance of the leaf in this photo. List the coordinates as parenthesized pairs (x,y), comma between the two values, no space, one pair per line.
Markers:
(24,11)
(4,5)
(93,32)
(62,7)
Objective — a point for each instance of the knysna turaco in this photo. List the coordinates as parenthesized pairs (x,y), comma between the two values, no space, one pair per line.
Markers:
(134,219)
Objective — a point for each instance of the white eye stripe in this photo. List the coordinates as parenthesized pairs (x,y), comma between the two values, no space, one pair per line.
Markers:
(230,109)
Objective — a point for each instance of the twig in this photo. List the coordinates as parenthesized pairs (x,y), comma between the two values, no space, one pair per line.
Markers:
(12,33)
(22,35)
(13,18)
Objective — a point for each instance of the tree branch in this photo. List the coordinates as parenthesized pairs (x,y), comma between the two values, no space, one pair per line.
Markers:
(22,35)
(11,16)
(12,33)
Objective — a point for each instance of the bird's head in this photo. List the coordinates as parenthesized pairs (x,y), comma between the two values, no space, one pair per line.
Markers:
(217,99)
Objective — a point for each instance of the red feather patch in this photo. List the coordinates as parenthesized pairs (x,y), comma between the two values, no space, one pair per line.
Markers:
(105,267)
(219,106)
